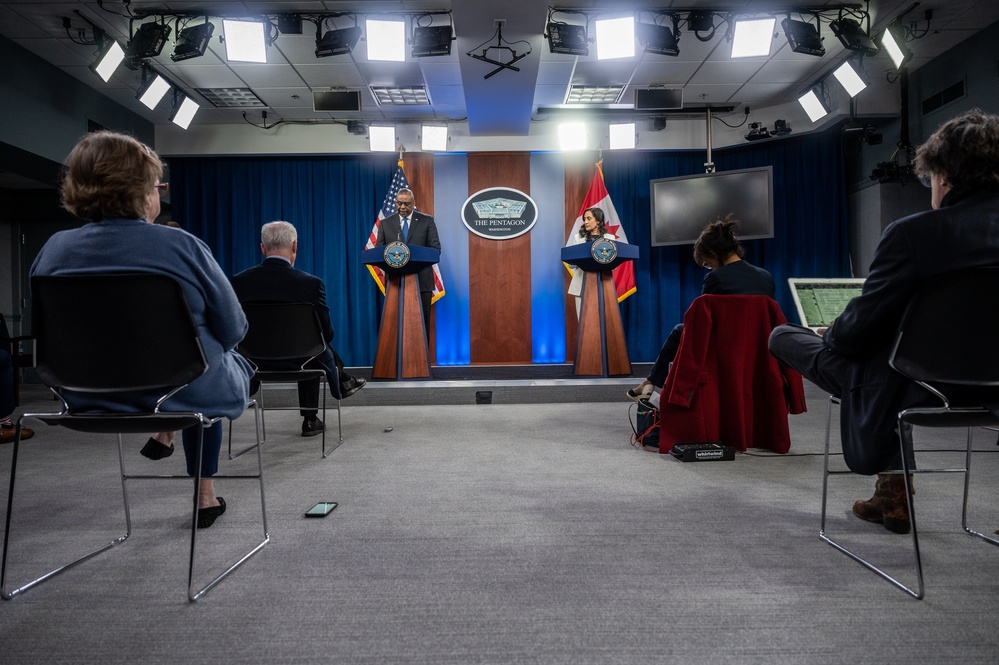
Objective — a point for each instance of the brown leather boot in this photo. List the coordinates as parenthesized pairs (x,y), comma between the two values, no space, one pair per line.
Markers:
(894,506)
(871,509)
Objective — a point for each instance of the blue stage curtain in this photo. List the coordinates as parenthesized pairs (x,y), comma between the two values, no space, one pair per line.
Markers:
(810,227)
(332,201)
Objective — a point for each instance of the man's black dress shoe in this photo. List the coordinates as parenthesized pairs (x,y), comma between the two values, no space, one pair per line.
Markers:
(207,516)
(312,427)
(351,386)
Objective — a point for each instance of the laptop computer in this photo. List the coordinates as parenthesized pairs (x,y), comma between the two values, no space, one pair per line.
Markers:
(820,300)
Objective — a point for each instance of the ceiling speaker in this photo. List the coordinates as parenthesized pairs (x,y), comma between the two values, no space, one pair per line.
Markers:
(336,101)
(658,99)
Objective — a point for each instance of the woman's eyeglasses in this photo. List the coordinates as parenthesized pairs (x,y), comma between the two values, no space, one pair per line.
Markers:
(163,188)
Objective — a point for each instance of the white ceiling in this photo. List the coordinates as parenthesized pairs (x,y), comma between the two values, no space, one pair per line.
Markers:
(505,103)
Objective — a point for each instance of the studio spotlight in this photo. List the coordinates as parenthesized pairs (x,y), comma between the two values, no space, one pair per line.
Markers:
(154,87)
(245,41)
(192,41)
(572,135)
(622,136)
(850,79)
(615,37)
(381,138)
(658,39)
(802,37)
(183,111)
(568,39)
(386,40)
(431,40)
(148,41)
(434,138)
(753,37)
(813,106)
(108,58)
(853,37)
(892,40)
(337,42)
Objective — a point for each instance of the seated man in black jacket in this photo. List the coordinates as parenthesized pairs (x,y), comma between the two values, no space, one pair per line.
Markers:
(276,280)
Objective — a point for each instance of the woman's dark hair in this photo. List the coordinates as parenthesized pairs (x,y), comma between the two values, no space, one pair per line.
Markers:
(965,150)
(718,241)
(109,175)
(598,215)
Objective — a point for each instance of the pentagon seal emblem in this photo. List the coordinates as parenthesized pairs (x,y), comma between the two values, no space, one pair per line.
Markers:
(396,254)
(603,251)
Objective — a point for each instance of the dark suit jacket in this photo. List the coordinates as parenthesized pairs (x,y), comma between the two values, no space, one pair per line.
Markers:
(275,280)
(739,278)
(422,232)
(962,233)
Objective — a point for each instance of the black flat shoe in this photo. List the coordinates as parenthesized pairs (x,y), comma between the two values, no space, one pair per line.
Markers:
(155,450)
(207,516)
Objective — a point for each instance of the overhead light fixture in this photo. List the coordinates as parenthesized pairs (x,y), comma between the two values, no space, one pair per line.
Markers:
(850,79)
(192,41)
(802,37)
(622,136)
(245,41)
(183,111)
(381,138)
(572,135)
(337,42)
(148,41)
(892,40)
(386,40)
(431,40)
(567,38)
(753,37)
(853,37)
(658,39)
(813,106)
(110,55)
(615,38)
(434,138)
(152,90)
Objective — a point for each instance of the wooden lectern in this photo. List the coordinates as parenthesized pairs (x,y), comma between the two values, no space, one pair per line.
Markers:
(402,351)
(601,349)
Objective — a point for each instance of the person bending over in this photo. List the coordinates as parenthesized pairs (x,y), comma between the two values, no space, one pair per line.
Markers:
(960,163)
(718,249)
(277,280)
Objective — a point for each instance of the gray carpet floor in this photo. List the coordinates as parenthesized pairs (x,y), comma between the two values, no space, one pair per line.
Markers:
(495,533)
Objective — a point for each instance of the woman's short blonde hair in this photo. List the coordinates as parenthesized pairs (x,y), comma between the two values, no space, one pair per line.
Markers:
(109,175)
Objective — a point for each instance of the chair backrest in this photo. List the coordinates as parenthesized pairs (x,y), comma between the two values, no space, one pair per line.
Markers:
(4,331)
(948,331)
(117,332)
(282,332)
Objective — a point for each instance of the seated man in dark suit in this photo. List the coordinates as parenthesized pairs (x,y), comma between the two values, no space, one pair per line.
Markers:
(276,280)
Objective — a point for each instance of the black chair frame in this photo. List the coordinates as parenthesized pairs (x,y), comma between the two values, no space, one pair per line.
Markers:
(941,357)
(109,351)
(285,335)
(20,359)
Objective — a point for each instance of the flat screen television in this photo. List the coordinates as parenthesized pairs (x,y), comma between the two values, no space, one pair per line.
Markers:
(684,205)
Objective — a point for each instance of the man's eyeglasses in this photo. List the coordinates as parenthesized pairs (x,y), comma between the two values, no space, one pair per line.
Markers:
(925,181)
(163,188)
(408,204)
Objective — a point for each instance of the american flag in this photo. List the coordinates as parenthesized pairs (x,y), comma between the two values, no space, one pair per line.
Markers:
(388,209)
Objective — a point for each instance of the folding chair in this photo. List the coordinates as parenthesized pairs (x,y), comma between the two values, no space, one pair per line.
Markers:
(946,344)
(112,348)
(287,336)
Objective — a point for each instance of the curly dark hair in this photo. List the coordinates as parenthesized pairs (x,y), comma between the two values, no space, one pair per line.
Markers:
(598,215)
(965,150)
(718,241)
(109,175)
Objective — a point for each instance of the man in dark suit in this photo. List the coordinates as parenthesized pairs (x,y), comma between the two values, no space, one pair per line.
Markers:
(277,280)
(413,228)
(960,162)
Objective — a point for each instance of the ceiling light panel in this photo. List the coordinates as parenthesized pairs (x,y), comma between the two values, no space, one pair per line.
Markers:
(245,41)
(594,94)
(386,40)
(753,37)
(615,38)
(232,97)
(400,96)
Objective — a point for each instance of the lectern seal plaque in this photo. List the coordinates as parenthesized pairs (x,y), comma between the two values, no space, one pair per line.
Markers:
(396,254)
(603,251)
